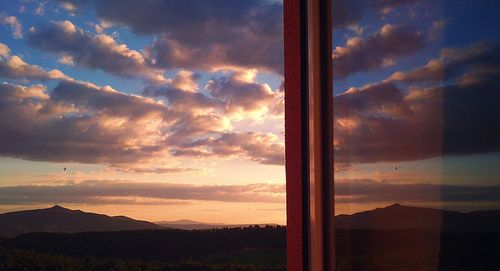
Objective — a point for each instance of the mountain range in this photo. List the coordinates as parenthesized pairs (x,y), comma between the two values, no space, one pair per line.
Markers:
(393,217)
(60,219)
(400,217)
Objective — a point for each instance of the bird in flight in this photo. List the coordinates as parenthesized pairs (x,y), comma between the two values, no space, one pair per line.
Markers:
(64,169)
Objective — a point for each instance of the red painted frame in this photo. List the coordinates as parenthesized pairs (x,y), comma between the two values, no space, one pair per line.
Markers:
(294,132)
(307,38)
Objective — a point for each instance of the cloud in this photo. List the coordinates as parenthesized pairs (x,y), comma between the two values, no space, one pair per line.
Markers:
(260,147)
(212,35)
(14,24)
(264,148)
(81,122)
(107,101)
(182,94)
(386,6)
(78,122)
(389,43)
(454,116)
(451,62)
(241,94)
(234,96)
(14,67)
(436,30)
(209,35)
(92,51)
(347,13)
(40,9)
(124,192)
(153,170)
(370,191)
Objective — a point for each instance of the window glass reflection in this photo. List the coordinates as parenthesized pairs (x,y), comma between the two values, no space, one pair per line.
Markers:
(416,134)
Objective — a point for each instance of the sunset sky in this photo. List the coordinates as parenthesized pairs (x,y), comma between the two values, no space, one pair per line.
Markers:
(166,110)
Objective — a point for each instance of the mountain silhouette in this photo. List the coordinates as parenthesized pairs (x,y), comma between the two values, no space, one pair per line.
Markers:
(400,217)
(60,219)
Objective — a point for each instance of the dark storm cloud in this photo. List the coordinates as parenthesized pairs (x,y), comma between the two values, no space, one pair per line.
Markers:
(376,51)
(124,192)
(382,122)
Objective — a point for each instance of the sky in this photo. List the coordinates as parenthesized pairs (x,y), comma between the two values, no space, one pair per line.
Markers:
(166,110)
(416,104)
(159,110)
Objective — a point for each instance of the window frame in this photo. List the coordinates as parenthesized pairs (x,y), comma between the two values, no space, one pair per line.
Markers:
(309,135)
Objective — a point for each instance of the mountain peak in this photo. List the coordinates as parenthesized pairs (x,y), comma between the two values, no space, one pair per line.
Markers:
(57,207)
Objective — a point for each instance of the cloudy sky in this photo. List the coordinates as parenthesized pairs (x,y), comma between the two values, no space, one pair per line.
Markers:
(159,110)
(165,110)
(417,103)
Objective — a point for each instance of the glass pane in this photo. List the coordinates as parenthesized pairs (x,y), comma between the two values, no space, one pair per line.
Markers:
(416,134)
(169,112)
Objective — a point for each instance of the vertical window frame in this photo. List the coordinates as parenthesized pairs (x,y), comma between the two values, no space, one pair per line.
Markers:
(309,135)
